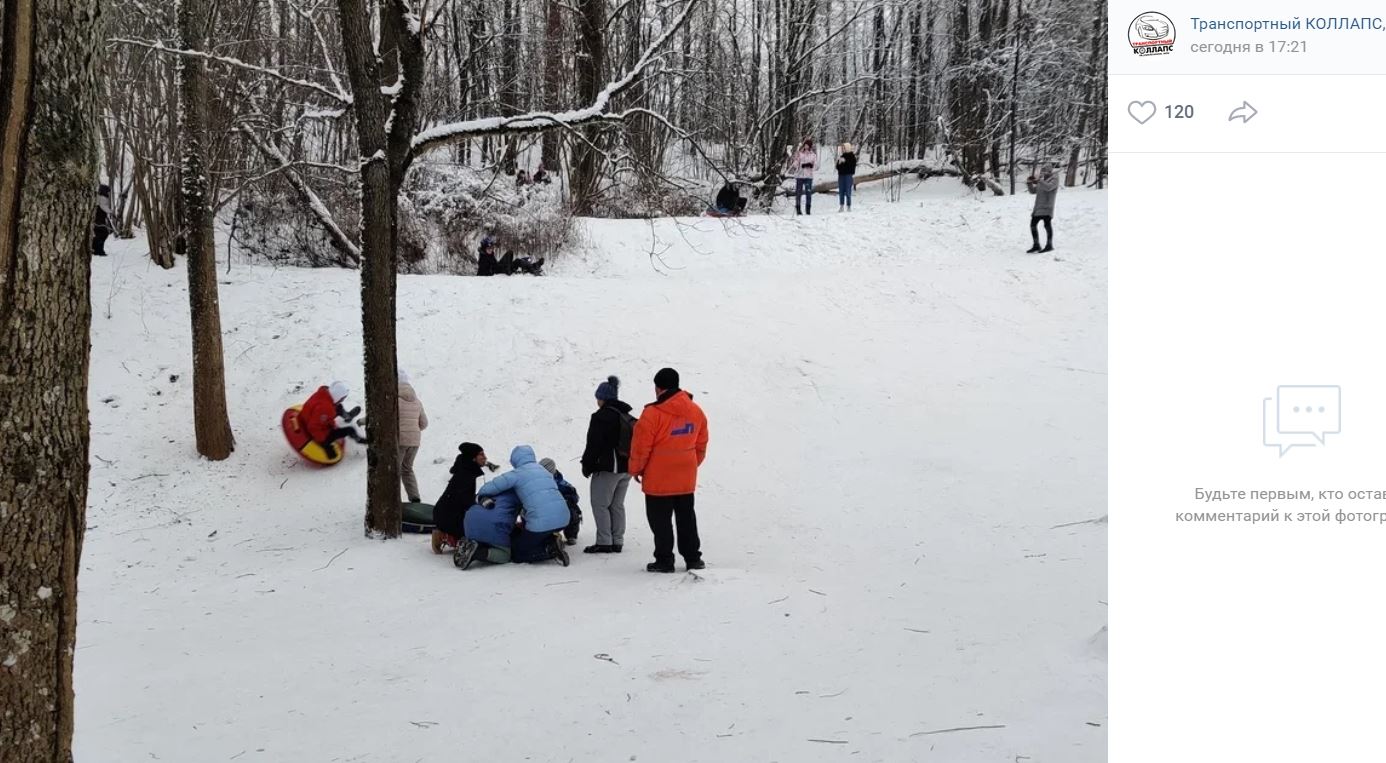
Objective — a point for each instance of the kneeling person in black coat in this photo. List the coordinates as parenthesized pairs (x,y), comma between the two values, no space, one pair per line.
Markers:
(451,509)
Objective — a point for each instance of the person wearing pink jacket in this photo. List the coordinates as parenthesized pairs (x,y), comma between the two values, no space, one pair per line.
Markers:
(805,161)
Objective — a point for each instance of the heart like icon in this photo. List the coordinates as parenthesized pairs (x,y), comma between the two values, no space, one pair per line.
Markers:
(1141,111)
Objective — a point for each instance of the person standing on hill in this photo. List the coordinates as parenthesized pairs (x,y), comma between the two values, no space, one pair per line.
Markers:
(102,223)
(1045,188)
(606,460)
(805,161)
(846,176)
(667,447)
(412,422)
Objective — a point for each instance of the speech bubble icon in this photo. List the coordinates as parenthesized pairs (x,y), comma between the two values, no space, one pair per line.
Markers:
(1309,409)
(1272,438)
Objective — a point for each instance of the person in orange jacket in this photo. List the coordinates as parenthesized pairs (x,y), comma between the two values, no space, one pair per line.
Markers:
(667,447)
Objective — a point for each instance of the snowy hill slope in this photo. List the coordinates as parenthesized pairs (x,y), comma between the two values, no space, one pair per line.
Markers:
(902,408)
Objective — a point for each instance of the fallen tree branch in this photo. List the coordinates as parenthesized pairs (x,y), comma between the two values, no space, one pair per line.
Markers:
(347,248)
(959,728)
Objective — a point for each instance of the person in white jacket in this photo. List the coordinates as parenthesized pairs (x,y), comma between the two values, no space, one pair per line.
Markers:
(805,162)
(412,422)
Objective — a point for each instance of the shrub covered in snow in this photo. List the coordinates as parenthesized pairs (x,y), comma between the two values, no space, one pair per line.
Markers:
(444,211)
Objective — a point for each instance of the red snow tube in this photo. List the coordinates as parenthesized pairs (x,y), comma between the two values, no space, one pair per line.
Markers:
(303,444)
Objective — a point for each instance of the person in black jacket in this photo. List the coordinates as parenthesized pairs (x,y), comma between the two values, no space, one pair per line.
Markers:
(486,264)
(101,224)
(459,496)
(606,460)
(846,176)
(729,202)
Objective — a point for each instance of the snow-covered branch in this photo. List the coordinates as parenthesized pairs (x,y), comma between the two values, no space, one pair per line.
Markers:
(338,96)
(597,111)
(322,45)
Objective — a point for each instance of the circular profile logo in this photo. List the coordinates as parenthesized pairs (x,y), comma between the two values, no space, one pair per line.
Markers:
(1151,34)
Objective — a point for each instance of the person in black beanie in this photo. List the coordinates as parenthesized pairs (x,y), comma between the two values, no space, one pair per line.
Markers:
(606,460)
(667,447)
(459,496)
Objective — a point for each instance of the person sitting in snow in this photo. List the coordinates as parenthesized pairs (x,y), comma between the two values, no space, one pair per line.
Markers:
(522,179)
(543,510)
(325,419)
(729,202)
(486,264)
(510,265)
(489,526)
(570,494)
(450,512)
(541,175)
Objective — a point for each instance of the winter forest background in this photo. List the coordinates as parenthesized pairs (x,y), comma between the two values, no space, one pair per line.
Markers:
(370,138)
(982,89)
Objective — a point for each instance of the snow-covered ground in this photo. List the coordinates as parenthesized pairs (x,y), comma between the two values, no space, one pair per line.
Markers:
(907,414)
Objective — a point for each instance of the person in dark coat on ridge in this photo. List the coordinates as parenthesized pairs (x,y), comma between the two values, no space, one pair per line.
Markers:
(606,460)
(846,176)
(451,508)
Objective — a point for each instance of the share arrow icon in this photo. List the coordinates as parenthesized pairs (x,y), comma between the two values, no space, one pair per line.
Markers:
(1243,112)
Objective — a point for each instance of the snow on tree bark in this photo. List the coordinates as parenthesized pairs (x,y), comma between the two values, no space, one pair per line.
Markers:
(47,186)
(211,423)
(384,127)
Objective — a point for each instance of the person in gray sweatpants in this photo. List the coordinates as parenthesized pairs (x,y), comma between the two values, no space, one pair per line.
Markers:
(606,460)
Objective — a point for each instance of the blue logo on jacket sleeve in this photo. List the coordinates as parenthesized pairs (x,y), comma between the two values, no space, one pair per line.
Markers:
(685,429)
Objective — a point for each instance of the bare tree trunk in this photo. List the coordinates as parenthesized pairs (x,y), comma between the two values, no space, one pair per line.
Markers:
(591,64)
(510,77)
(1015,88)
(210,420)
(49,56)
(554,52)
(384,131)
(1094,87)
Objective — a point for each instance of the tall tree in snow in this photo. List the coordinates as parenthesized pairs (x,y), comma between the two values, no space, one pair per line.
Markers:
(385,119)
(591,62)
(210,420)
(49,58)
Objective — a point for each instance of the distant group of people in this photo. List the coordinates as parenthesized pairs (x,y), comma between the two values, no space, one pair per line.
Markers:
(531,512)
(804,164)
(487,264)
(540,177)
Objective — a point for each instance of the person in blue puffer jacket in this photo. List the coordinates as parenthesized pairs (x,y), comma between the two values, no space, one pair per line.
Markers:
(488,529)
(543,509)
